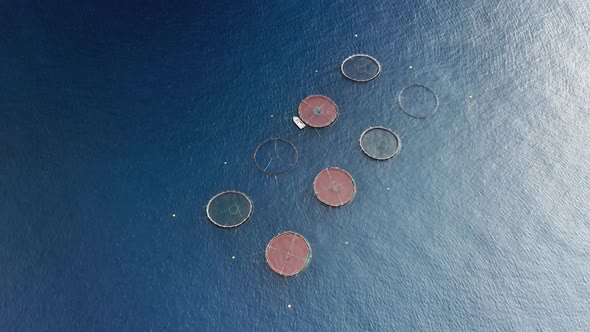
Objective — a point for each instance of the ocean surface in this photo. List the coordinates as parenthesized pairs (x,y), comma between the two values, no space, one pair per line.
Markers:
(114,116)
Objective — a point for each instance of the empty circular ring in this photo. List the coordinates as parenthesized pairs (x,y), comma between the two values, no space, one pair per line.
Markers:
(418,101)
(275,156)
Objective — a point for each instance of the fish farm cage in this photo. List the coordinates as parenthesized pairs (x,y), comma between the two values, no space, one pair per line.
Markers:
(360,68)
(380,143)
(229,209)
(275,156)
(318,111)
(288,254)
(334,187)
(418,101)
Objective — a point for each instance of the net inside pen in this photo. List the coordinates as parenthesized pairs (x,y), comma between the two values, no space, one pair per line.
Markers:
(334,187)
(318,111)
(288,254)
(380,143)
(360,68)
(229,209)
(275,156)
(418,101)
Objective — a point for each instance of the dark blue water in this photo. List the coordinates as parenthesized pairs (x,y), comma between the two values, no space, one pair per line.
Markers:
(115,116)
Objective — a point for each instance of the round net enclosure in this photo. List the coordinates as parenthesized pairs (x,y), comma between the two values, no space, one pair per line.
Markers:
(288,253)
(418,101)
(318,111)
(360,68)
(380,143)
(275,156)
(229,209)
(334,187)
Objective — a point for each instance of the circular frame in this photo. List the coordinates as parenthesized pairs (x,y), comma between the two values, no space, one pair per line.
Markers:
(248,216)
(358,56)
(288,255)
(304,118)
(345,173)
(399,101)
(399,142)
(275,139)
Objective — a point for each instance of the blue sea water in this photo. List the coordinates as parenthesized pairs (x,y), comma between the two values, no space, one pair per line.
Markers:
(114,116)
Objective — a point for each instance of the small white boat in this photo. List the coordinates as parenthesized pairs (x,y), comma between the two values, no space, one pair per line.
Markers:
(298,122)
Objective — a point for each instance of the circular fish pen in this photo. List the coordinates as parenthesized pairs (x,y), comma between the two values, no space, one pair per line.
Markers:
(288,254)
(360,68)
(318,111)
(380,143)
(418,101)
(334,187)
(229,209)
(275,156)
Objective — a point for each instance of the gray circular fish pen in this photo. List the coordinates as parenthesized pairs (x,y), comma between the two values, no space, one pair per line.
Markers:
(380,143)
(229,209)
(360,68)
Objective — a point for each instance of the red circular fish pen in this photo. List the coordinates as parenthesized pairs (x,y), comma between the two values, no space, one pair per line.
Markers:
(318,111)
(334,187)
(288,254)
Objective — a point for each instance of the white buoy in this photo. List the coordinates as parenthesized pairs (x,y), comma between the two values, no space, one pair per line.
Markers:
(356,36)
(173,215)
(288,306)
(233,257)
(411,67)
(225,162)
